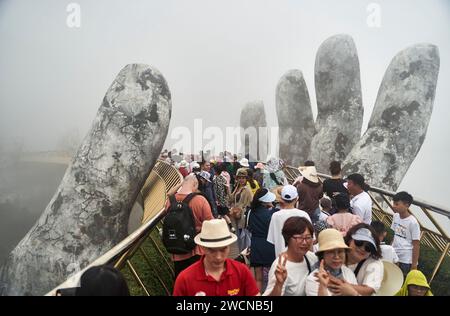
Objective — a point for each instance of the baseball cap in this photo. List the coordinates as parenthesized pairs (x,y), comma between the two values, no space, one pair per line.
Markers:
(289,193)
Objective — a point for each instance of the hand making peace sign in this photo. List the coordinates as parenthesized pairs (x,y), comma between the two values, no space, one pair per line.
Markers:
(280,271)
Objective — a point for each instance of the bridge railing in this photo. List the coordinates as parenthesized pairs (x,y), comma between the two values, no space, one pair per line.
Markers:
(433,233)
(163,179)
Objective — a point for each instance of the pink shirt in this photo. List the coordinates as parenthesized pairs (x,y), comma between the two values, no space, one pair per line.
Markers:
(343,221)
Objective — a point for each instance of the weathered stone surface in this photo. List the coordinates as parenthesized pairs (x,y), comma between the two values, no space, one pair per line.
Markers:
(339,101)
(89,212)
(399,122)
(253,121)
(295,119)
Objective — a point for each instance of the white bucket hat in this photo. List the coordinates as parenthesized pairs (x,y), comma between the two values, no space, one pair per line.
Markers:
(392,280)
(244,162)
(215,234)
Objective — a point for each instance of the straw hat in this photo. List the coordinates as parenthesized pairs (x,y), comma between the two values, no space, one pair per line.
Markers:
(310,173)
(392,280)
(277,192)
(242,172)
(215,234)
(330,239)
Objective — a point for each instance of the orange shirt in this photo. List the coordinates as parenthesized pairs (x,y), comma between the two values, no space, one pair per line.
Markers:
(202,212)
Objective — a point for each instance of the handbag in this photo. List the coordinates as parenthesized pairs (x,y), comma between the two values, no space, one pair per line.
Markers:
(245,236)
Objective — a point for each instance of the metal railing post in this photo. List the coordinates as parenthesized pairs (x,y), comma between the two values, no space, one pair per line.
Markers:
(438,265)
(136,276)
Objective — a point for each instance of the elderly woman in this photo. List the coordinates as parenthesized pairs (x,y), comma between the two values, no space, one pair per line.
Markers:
(240,199)
(332,254)
(289,271)
(364,260)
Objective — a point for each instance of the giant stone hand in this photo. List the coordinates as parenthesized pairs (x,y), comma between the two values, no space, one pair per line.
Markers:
(89,212)
(397,127)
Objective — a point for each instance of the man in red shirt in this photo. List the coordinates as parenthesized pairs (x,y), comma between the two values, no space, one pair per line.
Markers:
(215,274)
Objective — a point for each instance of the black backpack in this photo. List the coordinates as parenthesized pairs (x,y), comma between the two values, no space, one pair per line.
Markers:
(178,230)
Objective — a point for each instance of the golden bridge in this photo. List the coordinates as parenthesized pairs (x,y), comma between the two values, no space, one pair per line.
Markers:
(146,265)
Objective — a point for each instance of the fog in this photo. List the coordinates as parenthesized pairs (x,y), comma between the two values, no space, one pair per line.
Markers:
(215,56)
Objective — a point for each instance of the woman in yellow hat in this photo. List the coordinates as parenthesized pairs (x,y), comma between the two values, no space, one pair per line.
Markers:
(415,285)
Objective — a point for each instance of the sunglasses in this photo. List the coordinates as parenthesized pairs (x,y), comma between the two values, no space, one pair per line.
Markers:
(367,246)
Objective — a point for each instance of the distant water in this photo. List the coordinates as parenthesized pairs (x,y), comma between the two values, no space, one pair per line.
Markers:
(25,190)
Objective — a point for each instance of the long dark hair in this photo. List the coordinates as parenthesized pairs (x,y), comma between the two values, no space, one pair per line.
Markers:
(256,203)
(102,281)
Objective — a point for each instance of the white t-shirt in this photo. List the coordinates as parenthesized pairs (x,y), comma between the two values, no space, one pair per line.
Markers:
(405,231)
(370,273)
(362,206)
(388,253)
(296,276)
(274,235)
(312,284)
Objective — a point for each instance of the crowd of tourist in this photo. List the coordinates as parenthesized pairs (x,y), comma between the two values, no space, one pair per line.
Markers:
(256,234)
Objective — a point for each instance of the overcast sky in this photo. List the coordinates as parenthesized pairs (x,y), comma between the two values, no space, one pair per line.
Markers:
(215,56)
